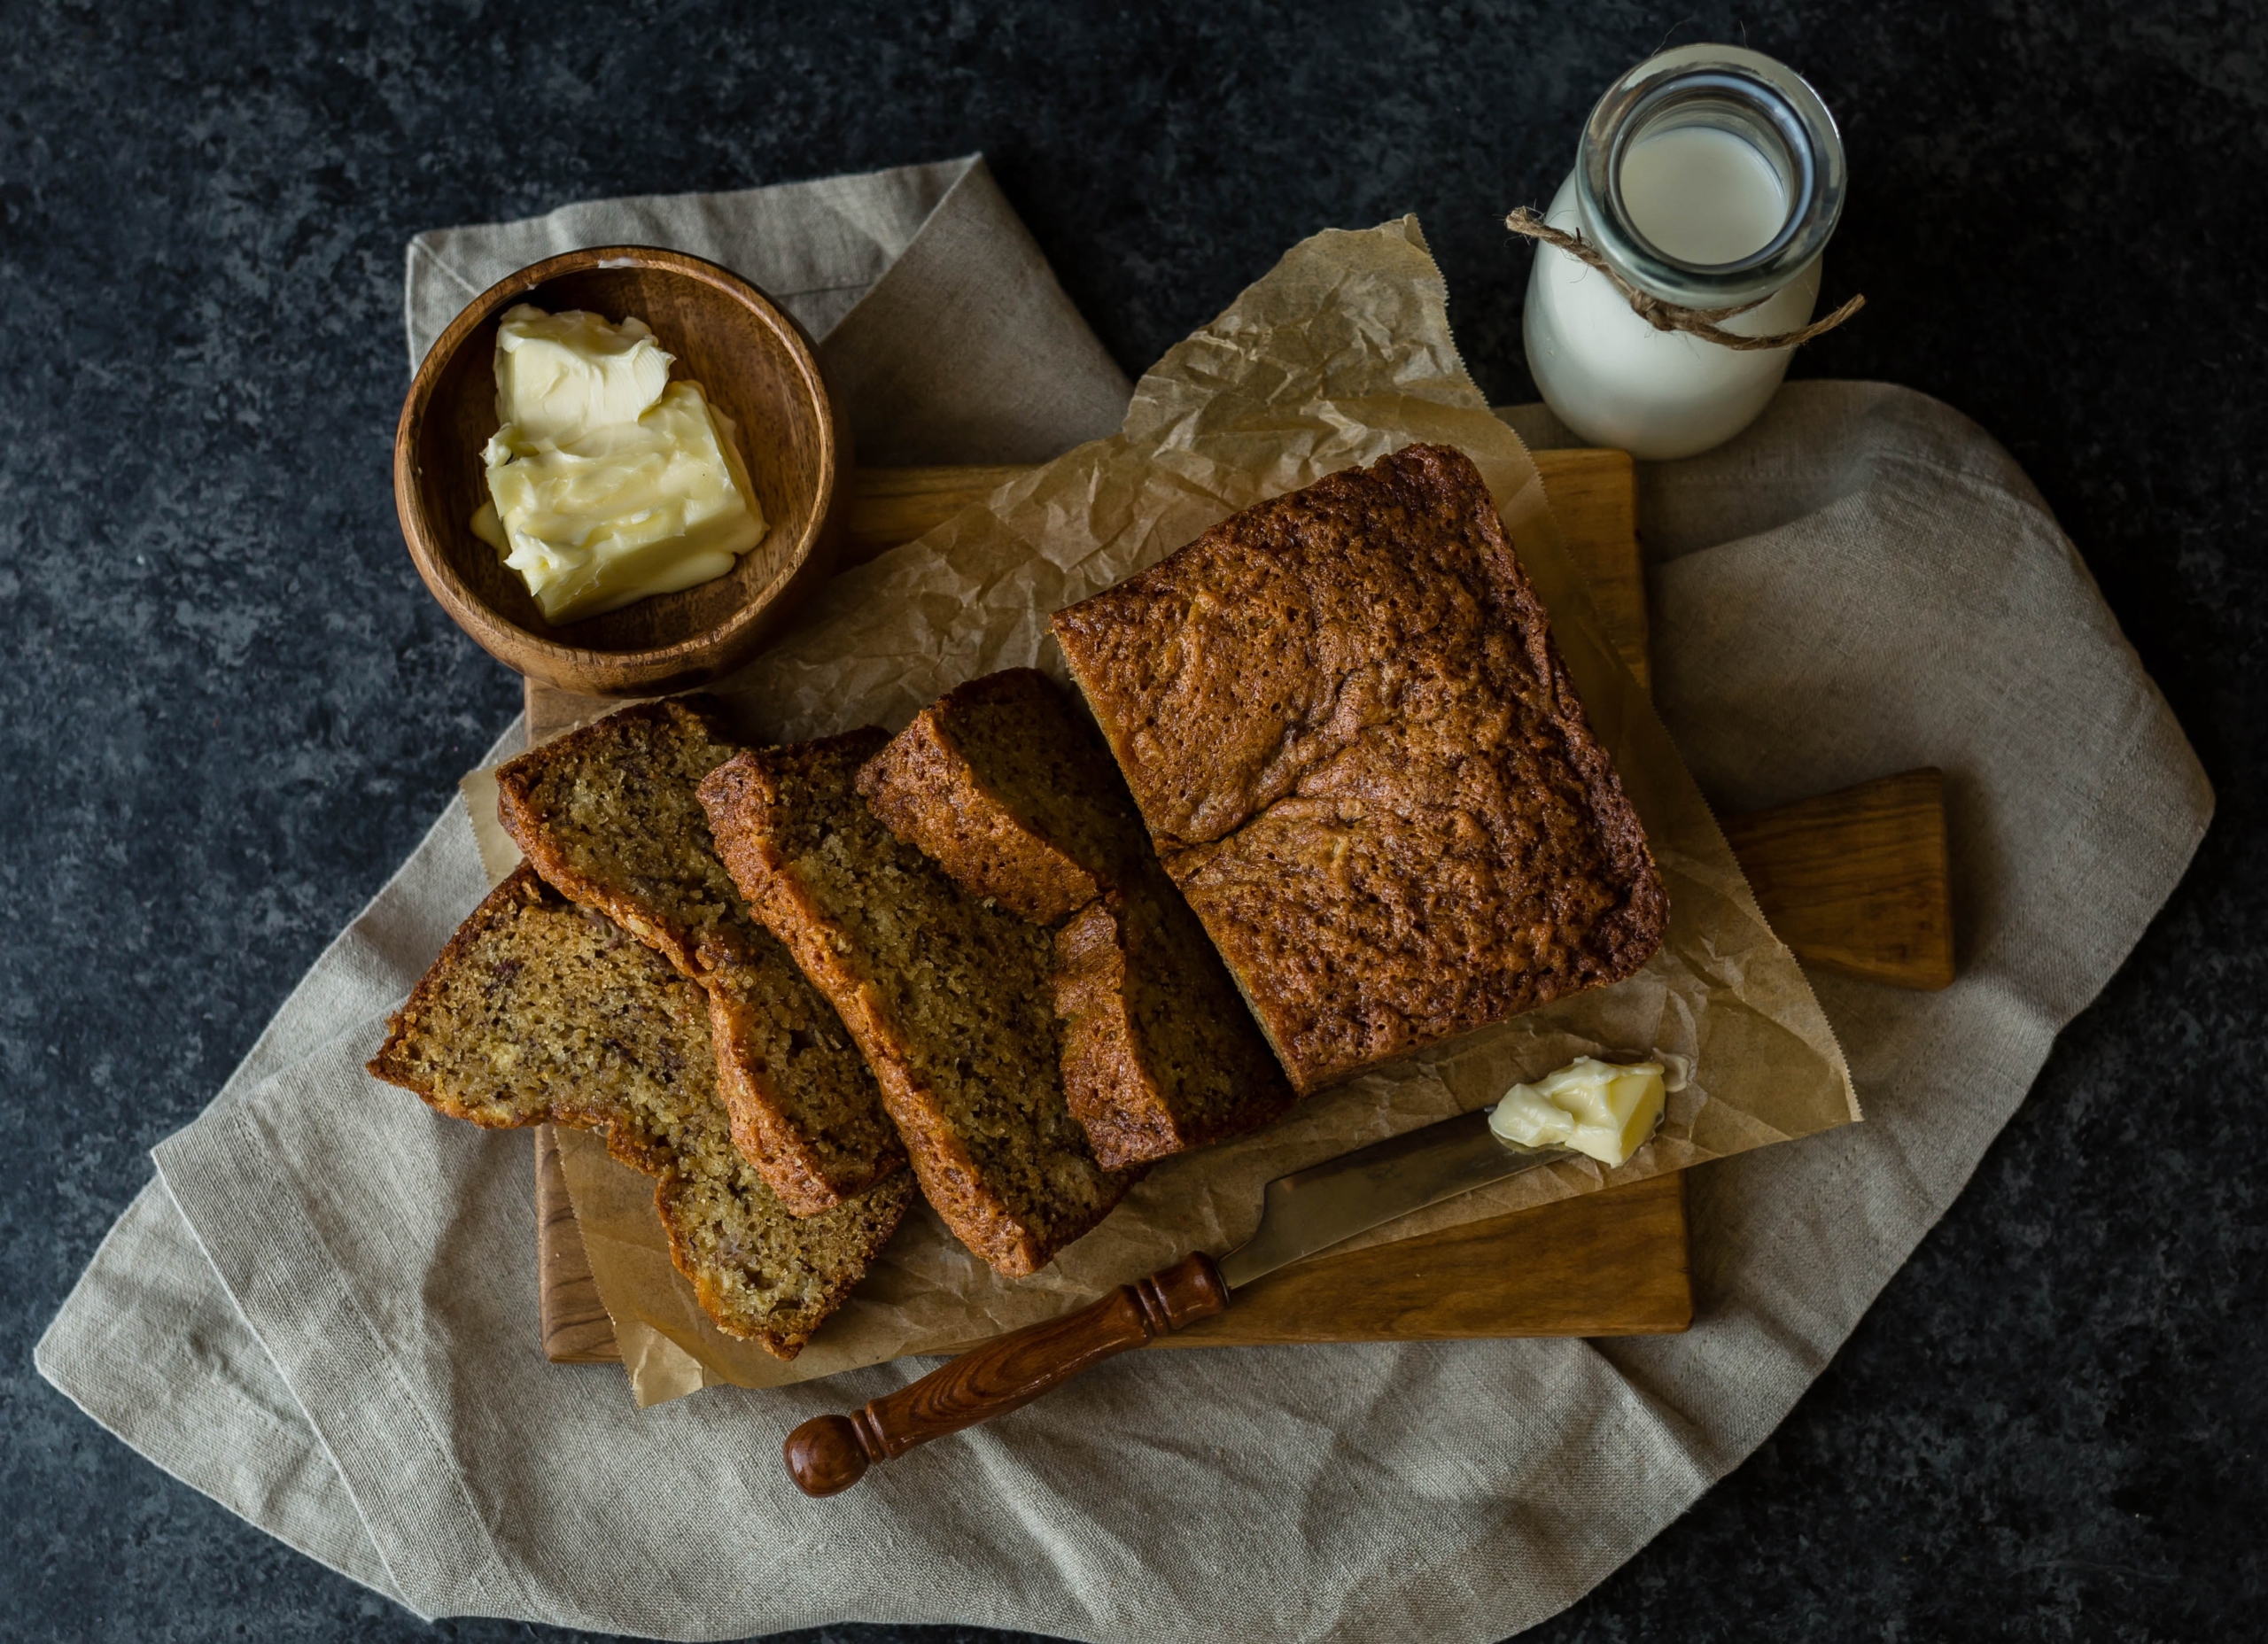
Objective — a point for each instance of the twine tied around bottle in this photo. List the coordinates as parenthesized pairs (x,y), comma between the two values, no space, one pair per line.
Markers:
(1664,316)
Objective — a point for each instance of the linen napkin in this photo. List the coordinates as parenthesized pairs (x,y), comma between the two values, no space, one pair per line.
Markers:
(322,1313)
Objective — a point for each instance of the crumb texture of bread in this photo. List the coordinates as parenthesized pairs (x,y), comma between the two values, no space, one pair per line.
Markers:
(1000,783)
(946,994)
(1361,757)
(609,815)
(539,1011)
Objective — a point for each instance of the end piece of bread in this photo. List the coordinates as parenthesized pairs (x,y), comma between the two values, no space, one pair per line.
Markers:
(1006,788)
(1160,1055)
(1000,784)
(539,1011)
(608,814)
(946,994)
(1362,759)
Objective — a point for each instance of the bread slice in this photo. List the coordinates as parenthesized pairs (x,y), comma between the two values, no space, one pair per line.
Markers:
(1362,759)
(1159,1054)
(946,994)
(608,814)
(1006,788)
(1000,783)
(539,1011)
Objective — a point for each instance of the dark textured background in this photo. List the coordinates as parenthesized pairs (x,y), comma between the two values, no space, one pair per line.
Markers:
(230,709)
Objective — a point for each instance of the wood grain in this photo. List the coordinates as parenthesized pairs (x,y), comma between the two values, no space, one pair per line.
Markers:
(1858,881)
(753,362)
(576,1327)
(1615,1262)
(892,506)
(1594,495)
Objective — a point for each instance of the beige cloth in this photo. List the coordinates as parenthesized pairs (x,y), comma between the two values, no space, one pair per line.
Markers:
(940,326)
(322,1313)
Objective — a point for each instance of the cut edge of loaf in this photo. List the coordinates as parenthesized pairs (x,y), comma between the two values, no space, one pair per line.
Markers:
(1110,1090)
(1162,1053)
(929,796)
(1005,786)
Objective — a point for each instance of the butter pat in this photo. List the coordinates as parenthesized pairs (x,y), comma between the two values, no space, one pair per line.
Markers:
(607,482)
(561,376)
(1595,1107)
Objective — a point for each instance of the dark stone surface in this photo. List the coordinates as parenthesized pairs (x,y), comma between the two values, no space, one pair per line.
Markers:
(230,709)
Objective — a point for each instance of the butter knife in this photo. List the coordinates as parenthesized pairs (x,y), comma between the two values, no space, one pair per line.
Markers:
(1300,1213)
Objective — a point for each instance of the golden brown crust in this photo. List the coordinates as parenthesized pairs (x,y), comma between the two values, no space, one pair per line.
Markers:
(1361,756)
(537,1012)
(608,816)
(945,994)
(1001,786)
(1159,1054)
(1111,1093)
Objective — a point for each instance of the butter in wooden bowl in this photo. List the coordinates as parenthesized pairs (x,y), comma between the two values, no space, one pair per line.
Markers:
(608,483)
(1603,1109)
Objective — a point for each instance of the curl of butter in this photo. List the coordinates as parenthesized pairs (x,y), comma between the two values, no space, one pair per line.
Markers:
(1599,1108)
(608,483)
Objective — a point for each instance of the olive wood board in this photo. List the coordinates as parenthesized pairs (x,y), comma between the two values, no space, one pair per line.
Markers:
(1854,882)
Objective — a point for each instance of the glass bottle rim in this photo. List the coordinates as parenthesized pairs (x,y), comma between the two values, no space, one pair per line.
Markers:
(1770,105)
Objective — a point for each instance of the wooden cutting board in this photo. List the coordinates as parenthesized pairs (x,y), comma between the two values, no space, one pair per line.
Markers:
(1855,880)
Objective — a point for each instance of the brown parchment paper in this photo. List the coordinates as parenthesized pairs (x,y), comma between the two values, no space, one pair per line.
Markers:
(1339,355)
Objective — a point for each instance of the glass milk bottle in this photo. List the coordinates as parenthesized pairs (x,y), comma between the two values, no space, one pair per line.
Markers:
(1708,177)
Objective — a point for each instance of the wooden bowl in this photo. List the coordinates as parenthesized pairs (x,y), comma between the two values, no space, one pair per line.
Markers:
(754,362)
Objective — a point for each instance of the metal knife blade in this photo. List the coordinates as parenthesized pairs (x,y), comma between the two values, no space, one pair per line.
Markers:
(1313,1209)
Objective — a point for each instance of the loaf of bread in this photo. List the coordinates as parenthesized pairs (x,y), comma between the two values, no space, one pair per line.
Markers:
(1006,788)
(1361,757)
(539,1011)
(947,995)
(608,816)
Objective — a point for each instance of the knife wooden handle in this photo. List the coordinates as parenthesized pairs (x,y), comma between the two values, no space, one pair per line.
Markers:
(831,1452)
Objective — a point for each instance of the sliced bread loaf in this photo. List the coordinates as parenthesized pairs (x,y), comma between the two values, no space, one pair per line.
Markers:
(608,816)
(946,994)
(540,1010)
